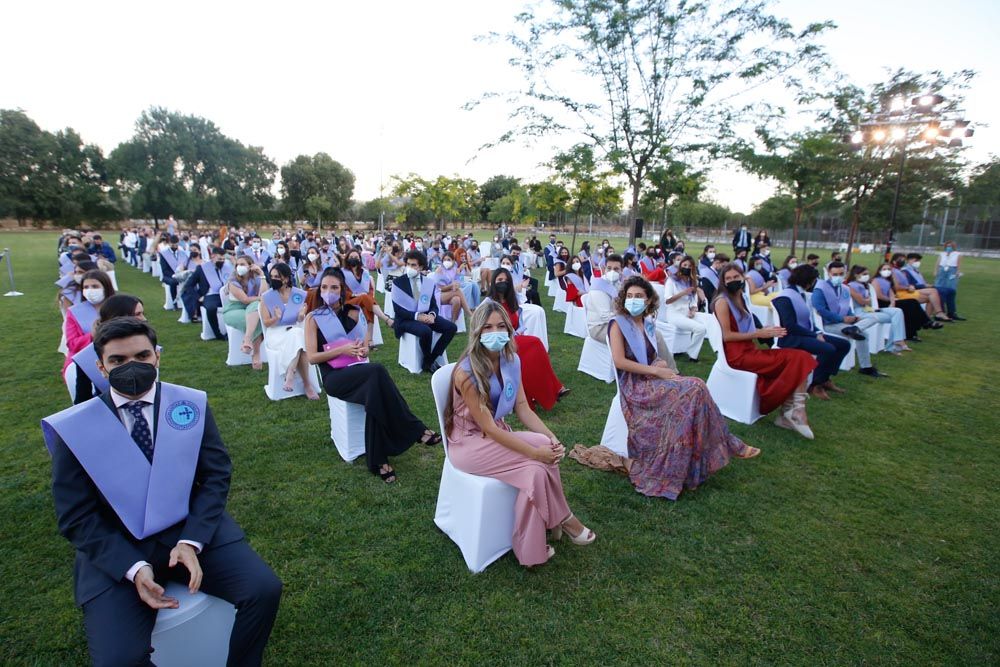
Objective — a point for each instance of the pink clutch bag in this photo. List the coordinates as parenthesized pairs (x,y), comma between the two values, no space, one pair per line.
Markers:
(344,360)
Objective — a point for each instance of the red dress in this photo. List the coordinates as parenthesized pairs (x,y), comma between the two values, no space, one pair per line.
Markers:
(657,275)
(779,370)
(573,295)
(540,382)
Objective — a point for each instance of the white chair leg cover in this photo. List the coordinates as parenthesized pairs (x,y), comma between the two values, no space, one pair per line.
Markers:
(206,330)
(275,387)
(147,264)
(553,287)
(410,355)
(595,360)
(677,341)
(377,333)
(184,319)
(533,319)
(576,321)
(615,436)
(196,633)
(445,311)
(560,304)
(168,303)
(114,279)
(155,269)
(236,356)
(389,308)
(734,391)
(70,378)
(63,349)
(347,428)
(477,513)
(380,283)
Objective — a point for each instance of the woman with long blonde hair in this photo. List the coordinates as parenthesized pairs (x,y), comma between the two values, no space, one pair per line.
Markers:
(486,387)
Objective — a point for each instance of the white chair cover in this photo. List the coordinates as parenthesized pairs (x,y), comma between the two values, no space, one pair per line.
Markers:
(533,320)
(411,357)
(196,633)
(576,321)
(734,391)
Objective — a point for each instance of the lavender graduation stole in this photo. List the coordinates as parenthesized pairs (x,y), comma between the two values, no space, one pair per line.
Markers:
(148,498)
(501,399)
(252,287)
(404,300)
(65,264)
(445,276)
(602,285)
(861,290)
(648,264)
(175,259)
(289,311)
(916,278)
(85,315)
(902,280)
(884,287)
(634,337)
(260,258)
(839,303)
(712,276)
(216,277)
(799,305)
(758,280)
(783,276)
(356,286)
(86,360)
(65,281)
(579,283)
(740,263)
(744,320)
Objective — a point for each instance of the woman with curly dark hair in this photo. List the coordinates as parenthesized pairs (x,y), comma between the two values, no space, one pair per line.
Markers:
(676,435)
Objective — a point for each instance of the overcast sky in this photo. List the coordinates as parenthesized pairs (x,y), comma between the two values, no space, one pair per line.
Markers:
(379,85)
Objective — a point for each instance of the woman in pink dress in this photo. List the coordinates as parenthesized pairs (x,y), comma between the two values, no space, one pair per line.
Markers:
(486,387)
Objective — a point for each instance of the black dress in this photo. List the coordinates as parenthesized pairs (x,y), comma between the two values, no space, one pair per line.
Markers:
(914,317)
(390,427)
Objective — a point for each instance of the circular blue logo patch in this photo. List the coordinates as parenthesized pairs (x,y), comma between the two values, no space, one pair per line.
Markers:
(182,415)
(509,390)
(424,298)
(296,298)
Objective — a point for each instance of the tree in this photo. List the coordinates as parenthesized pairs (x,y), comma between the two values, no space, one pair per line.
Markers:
(668,180)
(587,185)
(318,176)
(700,214)
(668,74)
(805,165)
(775,212)
(984,185)
(549,199)
(493,189)
(443,199)
(514,207)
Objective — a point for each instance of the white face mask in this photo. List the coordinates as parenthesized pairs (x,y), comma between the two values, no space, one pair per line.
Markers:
(420,246)
(885,273)
(576,266)
(612,276)
(242,270)
(94,295)
(280,250)
(863,278)
(507,266)
(915,265)
(447,263)
(792,265)
(78,278)
(412,272)
(313,257)
(255,245)
(710,256)
(765,252)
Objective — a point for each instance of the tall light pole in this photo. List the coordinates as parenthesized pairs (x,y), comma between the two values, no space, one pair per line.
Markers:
(901,123)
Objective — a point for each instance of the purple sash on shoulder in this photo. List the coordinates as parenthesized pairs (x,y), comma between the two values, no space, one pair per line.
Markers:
(579,283)
(744,320)
(86,360)
(837,303)
(711,275)
(445,277)
(884,287)
(861,290)
(502,401)
(65,263)
(916,278)
(648,264)
(902,280)
(259,258)
(784,275)
(333,331)
(602,285)
(289,311)
(799,305)
(148,498)
(85,315)
(358,287)
(401,298)
(65,281)
(634,337)
(175,260)
(758,280)
(216,277)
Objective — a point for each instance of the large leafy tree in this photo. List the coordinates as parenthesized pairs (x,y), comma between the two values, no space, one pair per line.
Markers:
(667,181)
(514,207)
(647,79)
(316,188)
(495,187)
(984,185)
(442,200)
(587,183)
(550,200)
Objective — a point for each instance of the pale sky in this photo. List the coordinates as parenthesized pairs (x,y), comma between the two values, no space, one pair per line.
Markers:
(379,85)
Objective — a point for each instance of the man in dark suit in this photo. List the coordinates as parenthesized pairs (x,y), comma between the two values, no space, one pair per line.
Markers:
(129,532)
(742,240)
(172,260)
(210,278)
(416,311)
(531,293)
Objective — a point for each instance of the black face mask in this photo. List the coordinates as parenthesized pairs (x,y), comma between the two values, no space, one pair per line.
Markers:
(133,378)
(276,283)
(685,271)
(734,287)
(354,262)
(502,287)
(219,264)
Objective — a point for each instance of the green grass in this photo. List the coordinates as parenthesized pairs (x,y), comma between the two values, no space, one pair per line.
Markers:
(875,543)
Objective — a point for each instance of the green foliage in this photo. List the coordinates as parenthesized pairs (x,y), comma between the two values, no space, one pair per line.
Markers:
(984,185)
(371,210)
(776,212)
(699,214)
(550,200)
(668,180)
(514,207)
(493,189)
(319,179)
(441,200)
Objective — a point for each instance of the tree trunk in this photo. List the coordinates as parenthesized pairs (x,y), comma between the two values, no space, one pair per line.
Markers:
(795,223)
(855,223)
(576,222)
(634,213)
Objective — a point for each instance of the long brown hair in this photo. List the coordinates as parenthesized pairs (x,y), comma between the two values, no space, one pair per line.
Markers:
(721,291)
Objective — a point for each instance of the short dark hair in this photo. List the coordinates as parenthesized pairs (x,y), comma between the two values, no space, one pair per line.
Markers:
(914,255)
(216,250)
(87,265)
(615,257)
(811,256)
(174,239)
(836,264)
(417,255)
(118,328)
(118,305)
(721,257)
(803,275)
(96,237)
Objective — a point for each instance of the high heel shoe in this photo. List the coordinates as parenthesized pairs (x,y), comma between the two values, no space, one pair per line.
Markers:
(583,538)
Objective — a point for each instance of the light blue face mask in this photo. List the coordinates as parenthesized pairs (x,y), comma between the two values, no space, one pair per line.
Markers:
(635,306)
(495,341)
(836,281)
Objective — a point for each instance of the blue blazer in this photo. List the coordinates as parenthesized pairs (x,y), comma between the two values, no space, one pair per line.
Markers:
(402,314)
(786,315)
(105,549)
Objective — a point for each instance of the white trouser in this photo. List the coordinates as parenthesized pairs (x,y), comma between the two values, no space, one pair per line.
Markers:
(864,353)
(694,325)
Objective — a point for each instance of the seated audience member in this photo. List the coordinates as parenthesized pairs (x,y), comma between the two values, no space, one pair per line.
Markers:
(914,316)
(209,279)
(574,281)
(941,301)
(89,380)
(832,300)
(283,254)
(390,262)
(257,253)
(710,276)
(361,292)
(707,256)
(242,311)
(101,250)
(786,270)
(282,311)
(172,260)
(79,324)
(416,311)
(71,285)
(946,279)
(519,269)
(741,261)
(541,385)
(108,462)
(859,283)
(601,298)
(449,294)
(681,300)
(676,435)
(801,333)
(763,254)
(760,283)
(812,260)
(906,291)
(650,266)
(336,341)
(311,269)
(782,374)
(486,387)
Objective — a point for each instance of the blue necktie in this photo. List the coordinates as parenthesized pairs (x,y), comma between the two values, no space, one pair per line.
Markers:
(140,429)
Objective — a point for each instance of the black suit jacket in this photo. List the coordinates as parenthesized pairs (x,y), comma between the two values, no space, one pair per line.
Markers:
(402,314)
(105,549)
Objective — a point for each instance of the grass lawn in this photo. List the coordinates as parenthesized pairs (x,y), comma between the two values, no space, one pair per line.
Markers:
(876,543)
